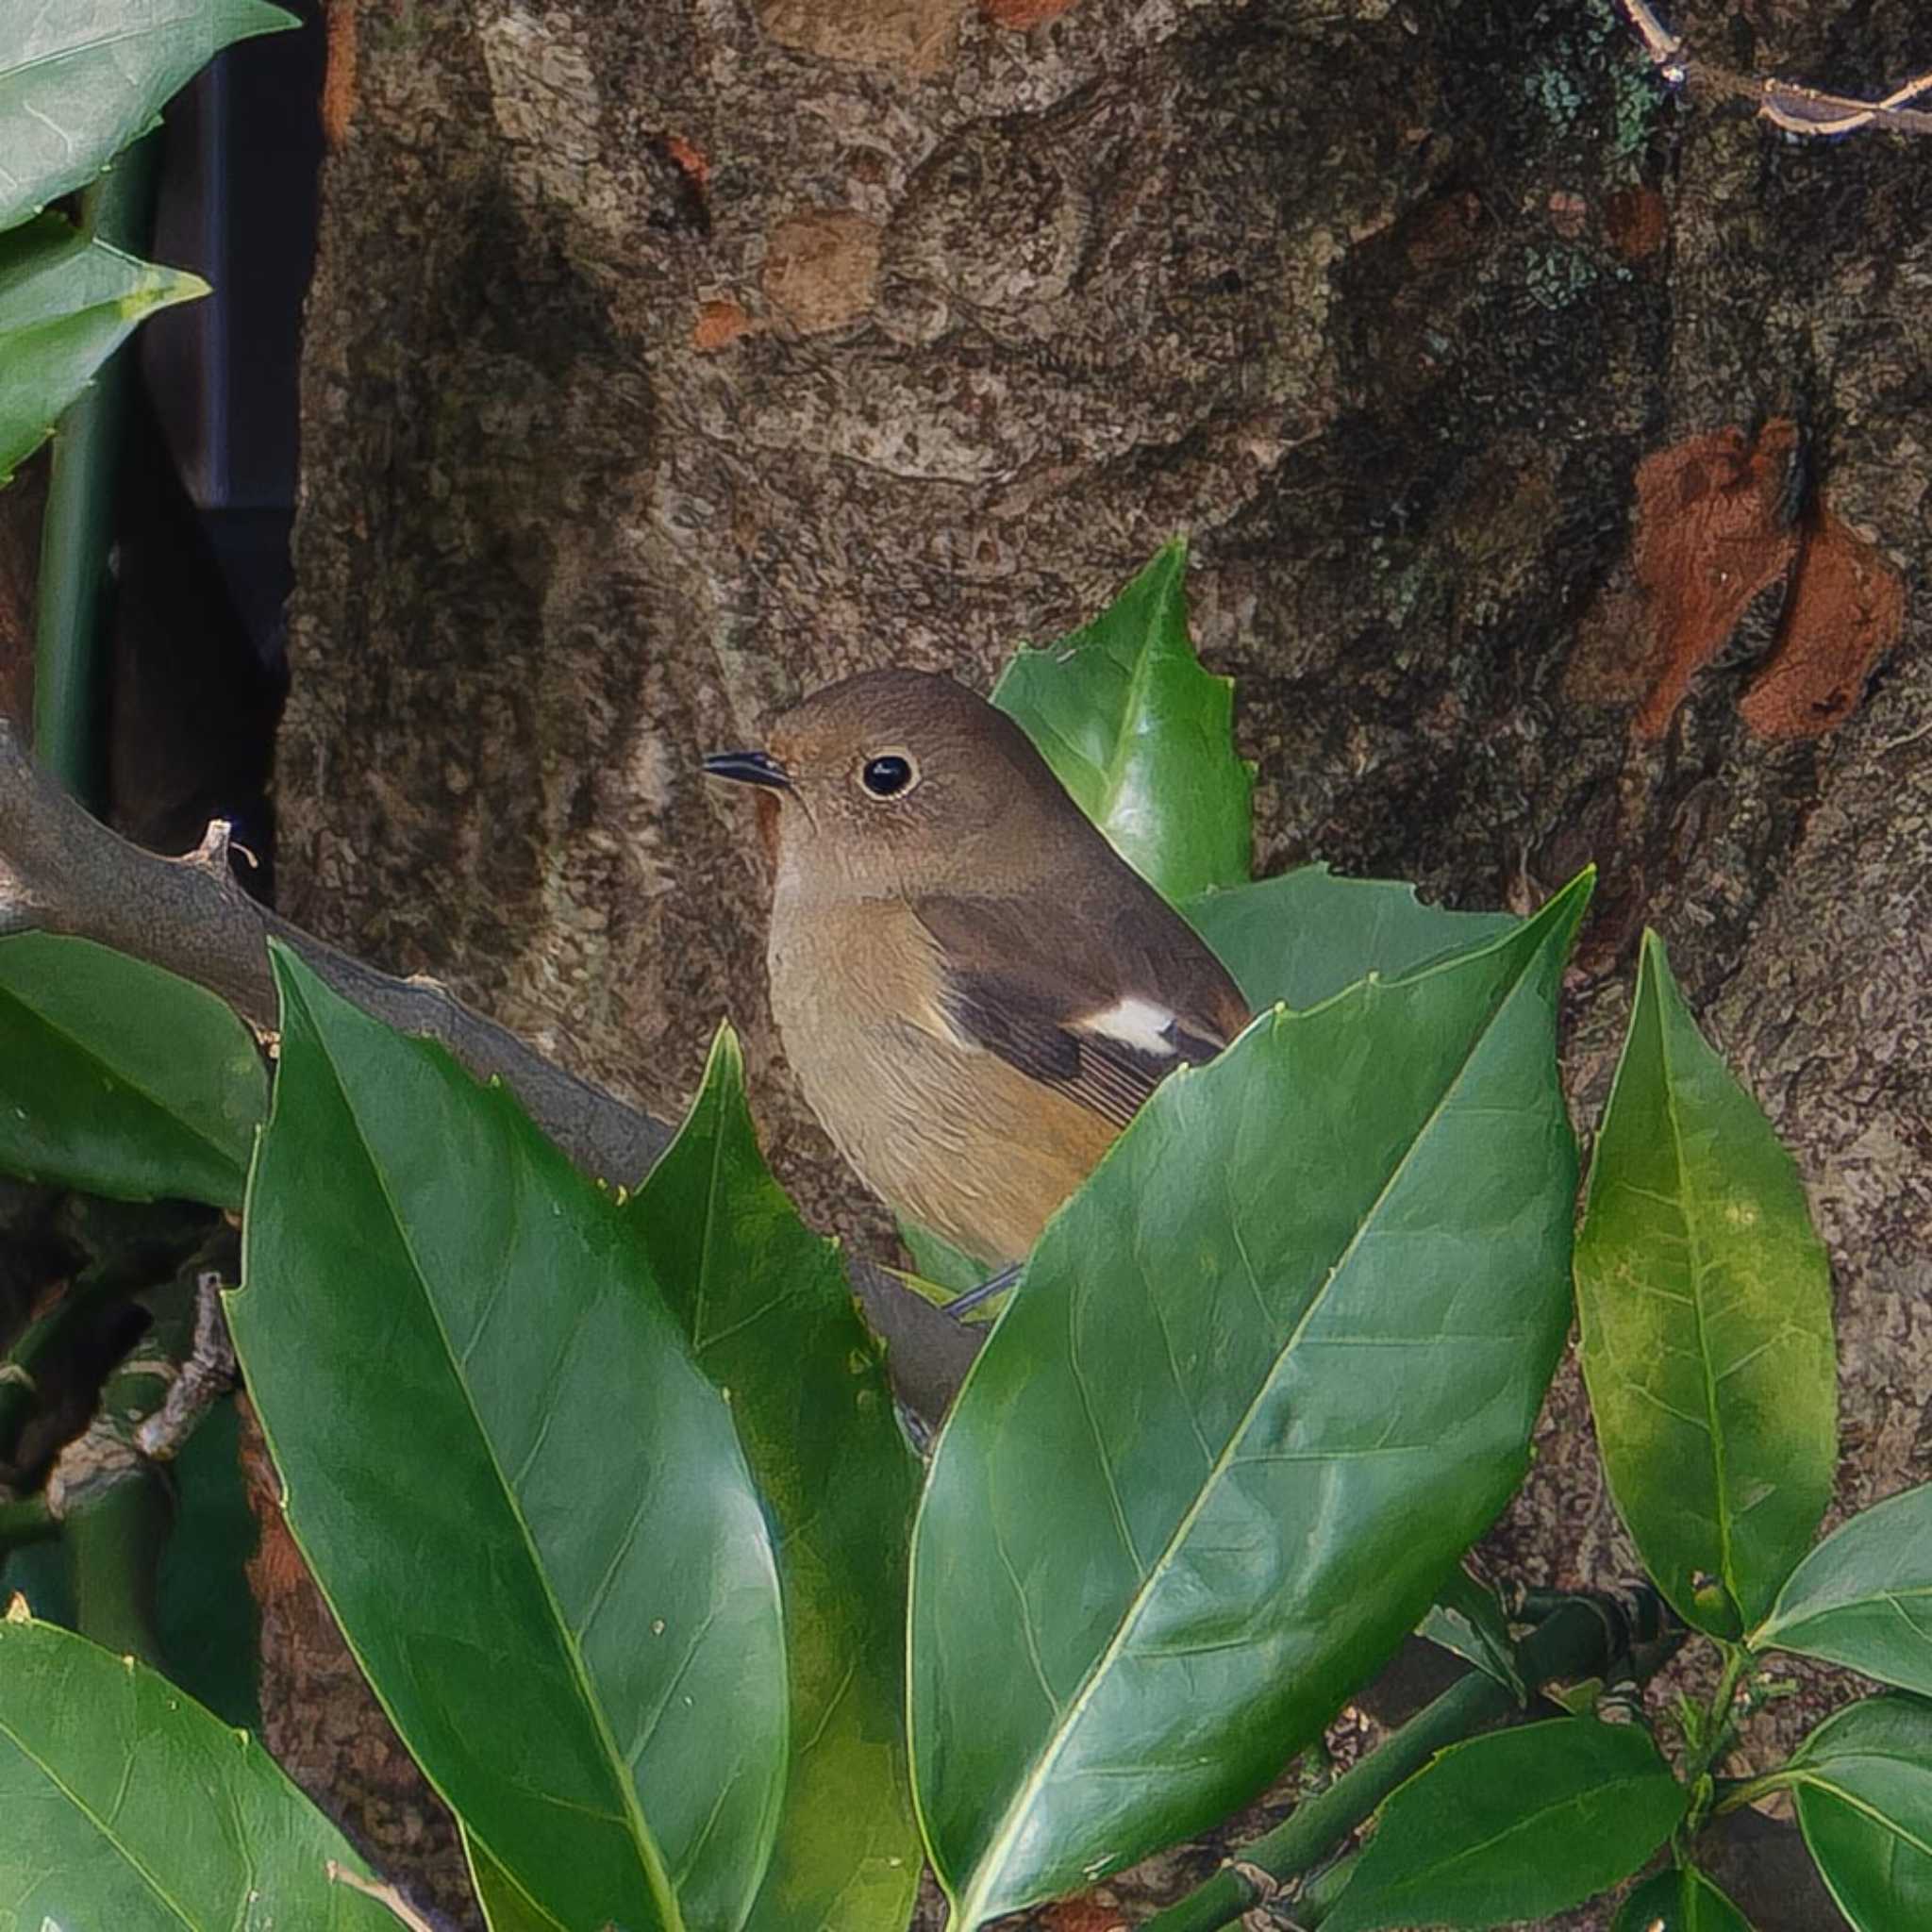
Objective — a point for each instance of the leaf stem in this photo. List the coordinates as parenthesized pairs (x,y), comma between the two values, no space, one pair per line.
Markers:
(1734,1793)
(29,1520)
(77,527)
(116,1535)
(1575,1641)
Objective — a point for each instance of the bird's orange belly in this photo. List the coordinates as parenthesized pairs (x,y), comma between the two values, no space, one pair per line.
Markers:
(947,1134)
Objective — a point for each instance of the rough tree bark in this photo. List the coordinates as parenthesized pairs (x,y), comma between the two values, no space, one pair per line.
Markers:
(1556,456)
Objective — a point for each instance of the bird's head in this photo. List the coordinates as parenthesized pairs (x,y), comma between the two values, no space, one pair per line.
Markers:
(897,781)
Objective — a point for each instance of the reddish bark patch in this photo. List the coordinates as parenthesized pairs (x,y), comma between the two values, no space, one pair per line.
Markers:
(1847,609)
(338,73)
(719,325)
(1569,213)
(1636,222)
(916,37)
(1086,1914)
(1021,14)
(691,158)
(822,268)
(1713,528)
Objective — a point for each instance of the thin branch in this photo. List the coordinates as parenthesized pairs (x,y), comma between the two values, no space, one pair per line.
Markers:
(199,1383)
(405,1913)
(62,871)
(1786,104)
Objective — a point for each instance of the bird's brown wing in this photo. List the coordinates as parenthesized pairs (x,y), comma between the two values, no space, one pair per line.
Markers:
(1102,1007)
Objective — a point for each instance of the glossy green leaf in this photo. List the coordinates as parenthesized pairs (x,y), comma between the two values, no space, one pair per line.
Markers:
(764,1305)
(1863,1597)
(1466,1620)
(129,1806)
(1707,1337)
(81,78)
(1862,1782)
(1303,936)
(1678,1900)
(1281,1354)
(66,305)
(1513,1826)
(507,1907)
(527,1506)
(121,1079)
(1141,736)
(205,1614)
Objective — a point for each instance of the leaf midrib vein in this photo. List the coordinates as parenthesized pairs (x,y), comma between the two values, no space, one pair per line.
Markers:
(99,1823)
(1097,1672)
(1700,1266)
(652,1859)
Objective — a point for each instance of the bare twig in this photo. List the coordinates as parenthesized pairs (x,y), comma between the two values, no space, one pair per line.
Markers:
(387,1895)
(199,1383)
(62,871)
(1786,104)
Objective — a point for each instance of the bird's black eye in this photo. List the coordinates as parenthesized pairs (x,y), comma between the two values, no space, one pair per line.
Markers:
(887,775)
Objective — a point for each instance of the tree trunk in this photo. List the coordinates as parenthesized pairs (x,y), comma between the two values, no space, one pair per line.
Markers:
(1555,452)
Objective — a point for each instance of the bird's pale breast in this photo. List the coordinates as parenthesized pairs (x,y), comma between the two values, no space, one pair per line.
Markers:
(942,1130)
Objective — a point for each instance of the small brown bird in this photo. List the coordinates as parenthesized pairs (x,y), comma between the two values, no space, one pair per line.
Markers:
(975,992)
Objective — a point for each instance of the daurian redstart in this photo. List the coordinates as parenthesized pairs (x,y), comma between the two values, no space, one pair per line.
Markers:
(975,990)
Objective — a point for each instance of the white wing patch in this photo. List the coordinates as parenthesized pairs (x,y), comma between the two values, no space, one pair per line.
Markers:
(1143,1025)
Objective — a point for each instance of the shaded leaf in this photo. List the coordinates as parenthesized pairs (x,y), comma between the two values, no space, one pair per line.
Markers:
(940,1264)
(81,79)
(1305,935)
(204,1613)
(764,1305)
(1679,1900)
(121,1079)
(1862,1782)
(1706,1339)
(66,305)
(128,1805)
(525,1505)
(1281,1353)
(1514,1826)
(1466,1620)
(1863,1597)
(507,1907)
(1141,736)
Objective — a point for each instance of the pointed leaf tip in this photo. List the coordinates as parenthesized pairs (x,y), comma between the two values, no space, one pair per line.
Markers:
(766,1307)
(1704,1296)
(1129,1525)
(395,1196)
(1142,735)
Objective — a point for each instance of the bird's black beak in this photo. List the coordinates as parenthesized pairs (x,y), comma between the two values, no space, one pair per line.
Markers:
(748,768)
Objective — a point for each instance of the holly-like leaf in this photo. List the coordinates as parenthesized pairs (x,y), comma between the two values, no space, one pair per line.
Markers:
(1678,1900)
(128,1805)
(66,304)
(1307,934)
(1863,1597)
(1862,1782)
(121,1079)
(1141,736)
(81,78)
(1706,1337)
(764,1305)
(1282,1352)
(527,1506)
(1466,1620)
(1518,1824)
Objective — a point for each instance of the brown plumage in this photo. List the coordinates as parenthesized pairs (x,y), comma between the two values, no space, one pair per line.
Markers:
(975,993)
